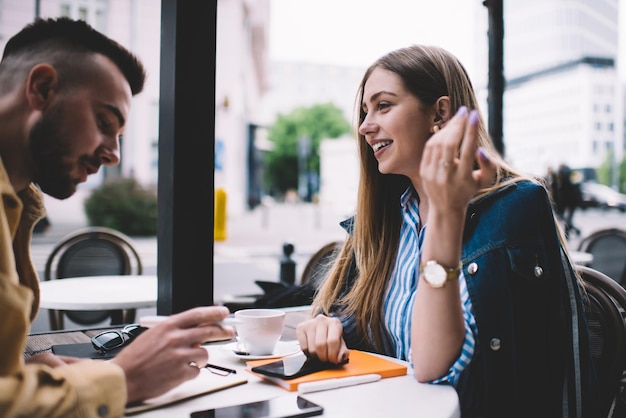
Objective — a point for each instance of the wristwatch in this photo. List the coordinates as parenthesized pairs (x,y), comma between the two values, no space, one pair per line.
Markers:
(437,275)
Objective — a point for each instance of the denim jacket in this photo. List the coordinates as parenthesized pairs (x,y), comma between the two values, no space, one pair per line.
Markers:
(518,287)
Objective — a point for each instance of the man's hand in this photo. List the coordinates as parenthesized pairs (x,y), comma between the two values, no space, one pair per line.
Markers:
(51,360)
(170,353)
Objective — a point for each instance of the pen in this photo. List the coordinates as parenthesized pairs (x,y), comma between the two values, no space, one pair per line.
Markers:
(151,320)
(224,369)
(230,321)
(339,382)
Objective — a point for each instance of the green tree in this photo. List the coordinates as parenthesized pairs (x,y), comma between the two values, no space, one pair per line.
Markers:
(622,176)
(605,173)
(124,205)
(318,122)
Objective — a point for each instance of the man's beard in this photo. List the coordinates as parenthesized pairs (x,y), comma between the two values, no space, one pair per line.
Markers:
(48,150)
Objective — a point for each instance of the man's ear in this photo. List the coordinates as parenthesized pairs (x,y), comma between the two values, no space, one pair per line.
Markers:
(442,110)
(40,85)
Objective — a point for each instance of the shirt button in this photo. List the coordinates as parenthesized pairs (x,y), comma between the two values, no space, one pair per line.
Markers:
(538,272)
(495,344)
(103,411)
(472,268)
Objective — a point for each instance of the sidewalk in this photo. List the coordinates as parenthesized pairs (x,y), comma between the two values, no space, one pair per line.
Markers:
(257,236)
(251,251)
(260,232)
(264,230)
(253,244)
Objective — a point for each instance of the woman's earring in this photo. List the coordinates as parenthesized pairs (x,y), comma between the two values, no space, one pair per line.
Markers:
(435,129)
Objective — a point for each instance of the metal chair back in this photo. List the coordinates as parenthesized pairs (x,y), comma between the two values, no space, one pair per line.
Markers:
(320,263)
(608,247)
(605,313)
(92,251)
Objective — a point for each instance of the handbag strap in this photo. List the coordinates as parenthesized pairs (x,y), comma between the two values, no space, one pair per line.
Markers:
(575,341)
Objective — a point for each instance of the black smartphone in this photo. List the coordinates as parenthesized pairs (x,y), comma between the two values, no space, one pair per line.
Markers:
(294,366)
(280,407)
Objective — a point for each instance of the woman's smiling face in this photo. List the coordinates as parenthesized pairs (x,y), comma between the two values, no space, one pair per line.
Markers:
(396,125)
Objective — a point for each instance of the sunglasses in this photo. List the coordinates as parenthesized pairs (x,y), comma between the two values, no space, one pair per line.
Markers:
(110,340)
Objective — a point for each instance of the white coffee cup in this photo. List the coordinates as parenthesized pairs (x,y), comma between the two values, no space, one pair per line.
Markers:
(260,330)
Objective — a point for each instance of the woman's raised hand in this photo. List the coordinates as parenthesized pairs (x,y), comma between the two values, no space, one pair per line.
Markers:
(448,164)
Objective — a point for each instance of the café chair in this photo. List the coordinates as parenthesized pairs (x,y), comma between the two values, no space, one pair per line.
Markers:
(605,313)
(320,263)
(92,251)
(608,248)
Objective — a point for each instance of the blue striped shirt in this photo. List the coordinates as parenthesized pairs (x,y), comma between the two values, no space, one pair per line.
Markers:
(398,305)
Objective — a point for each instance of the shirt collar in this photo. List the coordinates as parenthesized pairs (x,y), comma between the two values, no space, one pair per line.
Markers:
(409,198)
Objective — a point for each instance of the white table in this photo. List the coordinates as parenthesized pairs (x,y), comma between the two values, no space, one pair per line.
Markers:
(99,293)
(392,397)
(389,397)
(580,257)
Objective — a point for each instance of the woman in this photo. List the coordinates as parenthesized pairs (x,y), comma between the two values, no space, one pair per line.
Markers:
(453,260)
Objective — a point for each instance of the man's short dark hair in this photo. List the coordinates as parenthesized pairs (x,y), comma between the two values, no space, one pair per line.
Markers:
(76,36)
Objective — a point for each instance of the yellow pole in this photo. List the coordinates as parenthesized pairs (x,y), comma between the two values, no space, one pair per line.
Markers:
(219,229)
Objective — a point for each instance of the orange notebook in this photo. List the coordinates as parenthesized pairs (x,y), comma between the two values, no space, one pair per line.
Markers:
(360,363)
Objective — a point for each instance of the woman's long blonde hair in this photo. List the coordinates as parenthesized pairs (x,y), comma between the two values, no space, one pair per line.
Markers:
(428,73)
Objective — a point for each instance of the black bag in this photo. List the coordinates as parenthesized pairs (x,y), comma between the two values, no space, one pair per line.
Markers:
(280,295)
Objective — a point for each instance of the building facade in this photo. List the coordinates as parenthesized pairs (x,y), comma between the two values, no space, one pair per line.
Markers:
(242,80)
(562,102)
(242,65)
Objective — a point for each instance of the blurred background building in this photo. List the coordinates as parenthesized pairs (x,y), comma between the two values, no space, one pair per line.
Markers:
(563,98)
(242,80)
(242,71)
(563,101)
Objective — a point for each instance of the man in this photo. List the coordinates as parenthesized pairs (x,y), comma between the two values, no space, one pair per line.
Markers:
(65,97)
(569,197)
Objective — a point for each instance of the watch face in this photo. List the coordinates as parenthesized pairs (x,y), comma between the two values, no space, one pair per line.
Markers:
(435,274)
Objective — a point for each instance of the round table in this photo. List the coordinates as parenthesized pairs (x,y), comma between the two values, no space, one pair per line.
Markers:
(99,292)
(580,257)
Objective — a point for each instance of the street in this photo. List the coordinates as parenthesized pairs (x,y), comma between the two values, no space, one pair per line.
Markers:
(591,220)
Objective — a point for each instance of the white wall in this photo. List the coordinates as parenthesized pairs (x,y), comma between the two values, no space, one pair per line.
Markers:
(339,175)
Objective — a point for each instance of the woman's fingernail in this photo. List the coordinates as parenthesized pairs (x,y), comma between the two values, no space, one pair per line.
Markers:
(483,154)
(462,111)
(473,117)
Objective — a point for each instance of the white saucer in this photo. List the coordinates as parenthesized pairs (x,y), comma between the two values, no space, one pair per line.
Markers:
(283,348)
